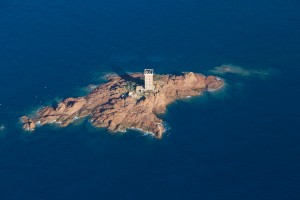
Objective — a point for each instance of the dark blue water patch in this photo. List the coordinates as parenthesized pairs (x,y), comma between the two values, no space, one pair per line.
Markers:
(239,143)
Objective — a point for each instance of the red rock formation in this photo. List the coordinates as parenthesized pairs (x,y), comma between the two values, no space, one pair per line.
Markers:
(213,83)
(110,105)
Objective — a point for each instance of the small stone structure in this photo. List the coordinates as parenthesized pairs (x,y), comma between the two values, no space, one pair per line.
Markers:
(139,89)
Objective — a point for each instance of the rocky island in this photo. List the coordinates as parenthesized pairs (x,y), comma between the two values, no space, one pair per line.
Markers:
(122,103)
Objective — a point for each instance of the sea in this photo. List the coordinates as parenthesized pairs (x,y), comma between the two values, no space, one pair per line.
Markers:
(238,143)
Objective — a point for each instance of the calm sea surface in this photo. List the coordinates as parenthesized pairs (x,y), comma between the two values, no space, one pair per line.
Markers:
(239,143)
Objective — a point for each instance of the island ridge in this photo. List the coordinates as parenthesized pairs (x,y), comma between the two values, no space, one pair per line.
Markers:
(122,104)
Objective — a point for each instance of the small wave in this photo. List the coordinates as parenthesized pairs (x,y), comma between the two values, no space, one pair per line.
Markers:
(144,133)
(167,127)
(2,127)
(83,91)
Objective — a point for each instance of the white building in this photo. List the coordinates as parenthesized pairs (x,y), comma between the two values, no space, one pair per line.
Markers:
(149,83)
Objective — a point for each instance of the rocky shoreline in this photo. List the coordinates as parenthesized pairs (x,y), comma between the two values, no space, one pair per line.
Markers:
(117,106)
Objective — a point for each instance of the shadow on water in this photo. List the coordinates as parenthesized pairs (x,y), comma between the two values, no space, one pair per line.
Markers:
(54,104)
(124,75)
(175,72)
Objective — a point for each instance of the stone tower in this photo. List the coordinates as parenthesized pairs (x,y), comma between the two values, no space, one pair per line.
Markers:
(149,85)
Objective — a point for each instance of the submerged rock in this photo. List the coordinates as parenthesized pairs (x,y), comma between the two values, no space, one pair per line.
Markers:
(232,69)
(118,107)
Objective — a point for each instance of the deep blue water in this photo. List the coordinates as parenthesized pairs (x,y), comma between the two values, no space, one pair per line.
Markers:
(239,143)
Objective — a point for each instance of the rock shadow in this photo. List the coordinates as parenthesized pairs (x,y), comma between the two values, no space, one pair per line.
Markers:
(54,105)
(126,76)
(176,72)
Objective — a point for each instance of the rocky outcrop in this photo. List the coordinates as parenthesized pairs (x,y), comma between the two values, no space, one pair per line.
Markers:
(213,83)
(29,125)
(118,107)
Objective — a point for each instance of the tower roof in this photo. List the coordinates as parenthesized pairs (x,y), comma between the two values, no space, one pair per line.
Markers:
(148,71)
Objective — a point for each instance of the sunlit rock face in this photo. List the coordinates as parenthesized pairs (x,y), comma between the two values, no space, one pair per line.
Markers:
(117,106)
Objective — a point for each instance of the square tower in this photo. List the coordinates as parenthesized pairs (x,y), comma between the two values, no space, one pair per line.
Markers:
(149,85)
